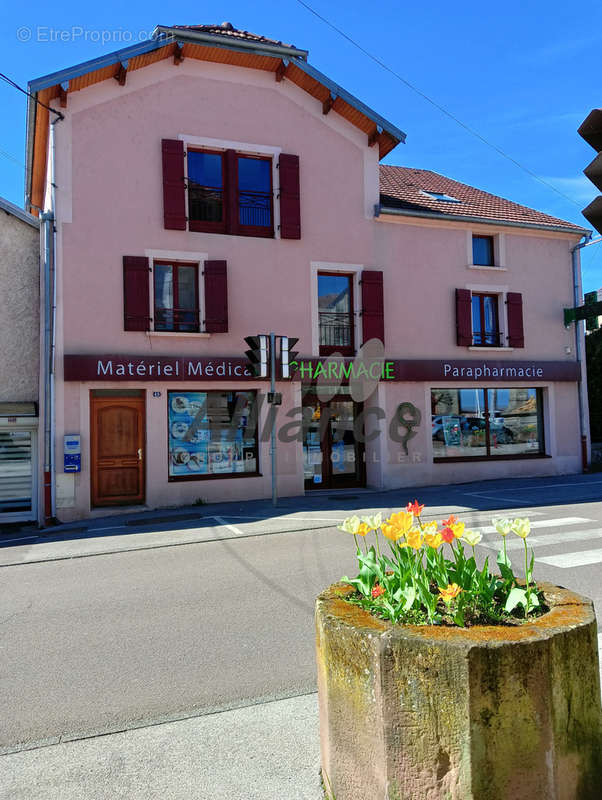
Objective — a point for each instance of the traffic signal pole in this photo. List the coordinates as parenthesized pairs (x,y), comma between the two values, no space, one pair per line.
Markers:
(273,431)
(579,350)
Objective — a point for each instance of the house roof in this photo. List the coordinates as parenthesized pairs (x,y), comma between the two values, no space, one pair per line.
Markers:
(25,216)
(222,44)
(413,192)
(228,30)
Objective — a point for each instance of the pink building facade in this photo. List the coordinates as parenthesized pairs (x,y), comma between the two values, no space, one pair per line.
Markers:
(213,187)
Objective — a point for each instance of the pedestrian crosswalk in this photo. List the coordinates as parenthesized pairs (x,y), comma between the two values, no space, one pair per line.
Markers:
(553,533)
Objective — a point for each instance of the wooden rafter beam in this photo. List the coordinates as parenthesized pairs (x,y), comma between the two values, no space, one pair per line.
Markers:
(178,54)
(373,137)
(63,89)
(328,103)
(281,69)
(121,73)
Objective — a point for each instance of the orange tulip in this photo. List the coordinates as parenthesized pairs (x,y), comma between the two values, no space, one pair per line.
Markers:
(377,591)
(451,592)
(447,535)
(451,520)
(415,508)
(363,529)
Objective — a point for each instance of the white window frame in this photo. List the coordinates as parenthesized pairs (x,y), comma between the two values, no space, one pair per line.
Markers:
(499,251)
(177,256)
(345,269)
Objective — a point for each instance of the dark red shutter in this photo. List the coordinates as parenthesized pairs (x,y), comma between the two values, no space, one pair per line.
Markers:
(463,318)
(216,297)
(516,336)
(135,294)
(232,217)
(174,190)
(290,199)
(373,319)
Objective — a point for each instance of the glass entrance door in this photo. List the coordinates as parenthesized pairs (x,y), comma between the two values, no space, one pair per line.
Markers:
(332,458)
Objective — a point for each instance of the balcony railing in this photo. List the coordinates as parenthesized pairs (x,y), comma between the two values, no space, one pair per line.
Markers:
(254,208)
(336,329)
(488,339)
(184,320)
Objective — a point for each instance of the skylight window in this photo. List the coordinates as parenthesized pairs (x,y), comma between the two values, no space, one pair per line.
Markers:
(443,198)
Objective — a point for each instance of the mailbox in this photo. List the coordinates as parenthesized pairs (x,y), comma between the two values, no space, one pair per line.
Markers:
(72,453)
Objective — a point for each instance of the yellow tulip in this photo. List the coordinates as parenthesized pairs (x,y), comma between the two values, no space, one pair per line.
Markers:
(392,532)
(373,522)
(402,519)
(413,539)
(503,526)
(472,537)
(458,529)
(521,527)
(350,525)
(433,540)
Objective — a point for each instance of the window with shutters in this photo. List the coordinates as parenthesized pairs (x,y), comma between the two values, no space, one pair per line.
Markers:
(489,318)
(230,191)
(172,296)
(176,297)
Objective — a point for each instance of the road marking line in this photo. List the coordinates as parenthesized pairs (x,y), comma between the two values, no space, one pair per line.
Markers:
(543,523)
(534,487)
(221,521)
(22,539)
(549,539)
(580,559)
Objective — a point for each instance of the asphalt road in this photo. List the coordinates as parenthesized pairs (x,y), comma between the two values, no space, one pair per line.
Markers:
(127,621)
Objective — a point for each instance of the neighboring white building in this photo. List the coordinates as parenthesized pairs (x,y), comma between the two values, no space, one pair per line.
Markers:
(20,466)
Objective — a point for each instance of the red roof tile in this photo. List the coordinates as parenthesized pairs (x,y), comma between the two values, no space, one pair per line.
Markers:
(404,188)
(227,29)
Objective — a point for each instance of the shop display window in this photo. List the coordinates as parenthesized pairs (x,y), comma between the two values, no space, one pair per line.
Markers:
(211,434)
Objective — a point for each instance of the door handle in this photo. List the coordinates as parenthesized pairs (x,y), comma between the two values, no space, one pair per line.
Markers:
(139,454)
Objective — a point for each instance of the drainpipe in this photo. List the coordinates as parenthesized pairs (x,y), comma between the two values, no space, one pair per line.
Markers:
(47,225)
(49,221)
(579,348)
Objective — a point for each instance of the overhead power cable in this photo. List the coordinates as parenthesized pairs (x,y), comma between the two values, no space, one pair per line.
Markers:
(434,103)
(33,97)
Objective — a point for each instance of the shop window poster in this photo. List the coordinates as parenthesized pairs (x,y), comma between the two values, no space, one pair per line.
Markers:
(207,434)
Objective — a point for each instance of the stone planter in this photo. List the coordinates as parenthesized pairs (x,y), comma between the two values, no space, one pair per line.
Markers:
(440,713)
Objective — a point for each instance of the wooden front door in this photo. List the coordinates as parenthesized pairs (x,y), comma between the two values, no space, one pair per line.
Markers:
(117,450)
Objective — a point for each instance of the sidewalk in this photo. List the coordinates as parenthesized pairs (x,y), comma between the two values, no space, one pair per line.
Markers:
(261,752)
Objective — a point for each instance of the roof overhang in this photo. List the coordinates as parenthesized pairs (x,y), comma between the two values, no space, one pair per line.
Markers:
(282,60)
(24,216)
(405,212)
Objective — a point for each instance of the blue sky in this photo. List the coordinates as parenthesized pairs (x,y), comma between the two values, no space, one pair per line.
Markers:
(521,73)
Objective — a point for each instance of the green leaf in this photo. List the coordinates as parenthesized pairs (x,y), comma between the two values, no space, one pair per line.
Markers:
(459,617)
(409,594)
(516,597)
(505,566)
